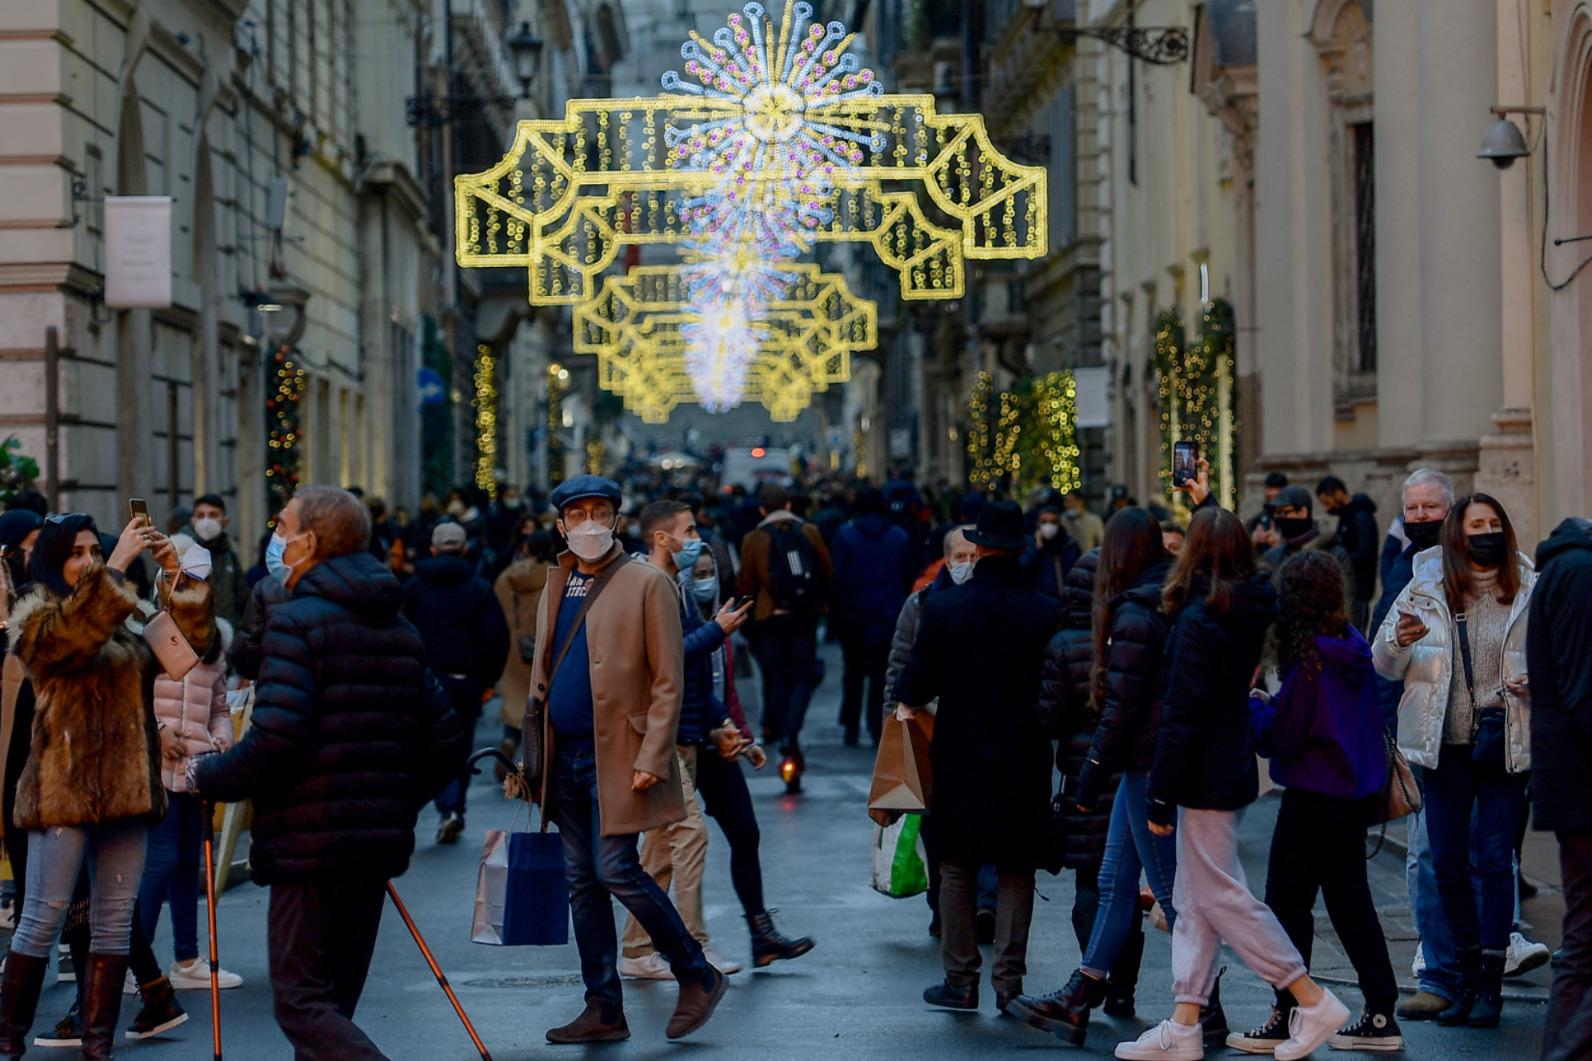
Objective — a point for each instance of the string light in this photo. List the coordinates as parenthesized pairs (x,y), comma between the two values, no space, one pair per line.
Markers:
(1034,438)
(1195,395)
(486,419)
(284,436)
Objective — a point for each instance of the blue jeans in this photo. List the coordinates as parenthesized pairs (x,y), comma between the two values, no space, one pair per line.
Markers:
(1456,791)
(1441,975)
(114,852)
(171,871)
(601,868)
(1130,849)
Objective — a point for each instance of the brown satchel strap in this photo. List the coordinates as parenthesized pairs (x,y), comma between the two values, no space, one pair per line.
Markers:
(592,591)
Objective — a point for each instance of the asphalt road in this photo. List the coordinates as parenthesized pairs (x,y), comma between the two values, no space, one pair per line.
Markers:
(857,996)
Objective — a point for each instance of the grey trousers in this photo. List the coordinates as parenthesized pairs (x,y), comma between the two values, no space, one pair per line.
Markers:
(1213,904)
(1014,910)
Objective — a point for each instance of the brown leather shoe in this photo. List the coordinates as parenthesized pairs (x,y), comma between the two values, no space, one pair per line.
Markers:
(594,1025)
(1423,1005)
(696,1004)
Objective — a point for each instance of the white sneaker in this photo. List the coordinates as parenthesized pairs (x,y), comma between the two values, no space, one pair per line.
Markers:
(649,967)
(1418,963)
(727,966)
(1312,1026)
(1524,955)
(1166,1042)
(195,976)
(130,985)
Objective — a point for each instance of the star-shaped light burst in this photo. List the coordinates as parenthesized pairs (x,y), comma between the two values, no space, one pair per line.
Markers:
(720,347)
(740,268)
(774,122)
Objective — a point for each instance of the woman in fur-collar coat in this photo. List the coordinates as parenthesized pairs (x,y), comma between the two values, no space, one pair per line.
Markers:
(92,783)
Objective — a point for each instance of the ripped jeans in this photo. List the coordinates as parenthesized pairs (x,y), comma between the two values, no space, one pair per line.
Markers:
(115,855)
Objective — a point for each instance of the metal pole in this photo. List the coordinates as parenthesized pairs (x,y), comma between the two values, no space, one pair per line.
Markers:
(436,970)
(215,956)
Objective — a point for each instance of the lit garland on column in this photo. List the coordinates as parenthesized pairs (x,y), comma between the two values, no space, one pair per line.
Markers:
(556,388)
(1195,394)
(485,403)
(287,383)
(1046,454)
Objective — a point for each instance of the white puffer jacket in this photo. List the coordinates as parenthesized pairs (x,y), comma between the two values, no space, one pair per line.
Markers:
(1426,667)
(192,715)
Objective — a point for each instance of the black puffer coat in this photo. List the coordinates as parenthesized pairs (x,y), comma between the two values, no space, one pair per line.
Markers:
(350,736)
(1124,741)
(1067,711)
(1205,752)
(1560,665)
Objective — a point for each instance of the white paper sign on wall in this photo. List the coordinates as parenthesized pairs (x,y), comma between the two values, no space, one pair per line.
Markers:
(1093,400)
(138,251)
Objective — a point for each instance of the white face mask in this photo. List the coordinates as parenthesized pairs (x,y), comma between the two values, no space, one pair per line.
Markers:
(1048,531)
(960,573)
(196,562)
(590,541)
(208,528)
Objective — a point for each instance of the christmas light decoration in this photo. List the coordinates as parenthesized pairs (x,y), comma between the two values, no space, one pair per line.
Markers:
(287,382)
(1195,395)
(1034,439)
(485,404)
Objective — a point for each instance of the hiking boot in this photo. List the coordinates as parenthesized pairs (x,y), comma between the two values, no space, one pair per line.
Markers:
(768,946)
(1373,1032)
(696,1003)
(1064,1013)
(20,986)
(1458,1011)
(1423,1005)
(596,1024)
(1489,1006)
(161,1011)
(946,995)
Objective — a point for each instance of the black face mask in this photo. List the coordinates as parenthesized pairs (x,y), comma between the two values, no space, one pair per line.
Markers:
(1488,550)
(1423,533)
(1294,527)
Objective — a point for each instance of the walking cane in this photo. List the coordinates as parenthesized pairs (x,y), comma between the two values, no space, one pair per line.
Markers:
(215,957)
(436,970)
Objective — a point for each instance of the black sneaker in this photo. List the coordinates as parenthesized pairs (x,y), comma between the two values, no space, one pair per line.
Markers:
(67,1033)
(1264,1039)
(450,828)
(948,996)
(1376,1032)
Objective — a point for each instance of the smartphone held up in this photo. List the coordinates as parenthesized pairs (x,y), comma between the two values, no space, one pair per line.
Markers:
(1185,463)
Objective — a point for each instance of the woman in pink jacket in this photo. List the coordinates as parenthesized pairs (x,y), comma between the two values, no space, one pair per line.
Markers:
(193,719)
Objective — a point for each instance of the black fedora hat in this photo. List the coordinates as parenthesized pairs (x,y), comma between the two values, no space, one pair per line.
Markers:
(1000,526)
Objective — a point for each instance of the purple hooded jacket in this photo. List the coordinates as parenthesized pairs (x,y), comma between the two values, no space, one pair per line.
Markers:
(1327,734)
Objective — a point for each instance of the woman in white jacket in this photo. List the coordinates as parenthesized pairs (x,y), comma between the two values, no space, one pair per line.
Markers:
(1456,637)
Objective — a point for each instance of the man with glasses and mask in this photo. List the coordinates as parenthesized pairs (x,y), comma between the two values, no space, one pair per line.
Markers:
(607,683)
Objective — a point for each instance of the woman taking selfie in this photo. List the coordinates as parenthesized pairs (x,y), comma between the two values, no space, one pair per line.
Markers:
(92,783)
(1203,777)
(1456,638)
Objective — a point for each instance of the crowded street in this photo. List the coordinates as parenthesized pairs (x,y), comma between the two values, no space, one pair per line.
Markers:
(860,985)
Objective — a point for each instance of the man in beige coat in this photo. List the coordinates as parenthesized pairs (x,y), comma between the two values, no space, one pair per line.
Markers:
(608,676)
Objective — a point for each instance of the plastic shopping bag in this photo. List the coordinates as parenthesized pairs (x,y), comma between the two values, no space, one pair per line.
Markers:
(900,867)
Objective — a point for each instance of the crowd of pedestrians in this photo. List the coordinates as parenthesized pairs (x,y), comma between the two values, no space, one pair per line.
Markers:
(1103,689)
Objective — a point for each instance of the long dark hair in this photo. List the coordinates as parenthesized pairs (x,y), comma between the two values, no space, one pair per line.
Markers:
(1459,582)
(1310,588)
(1218,551)
(1132,545)
(54,548)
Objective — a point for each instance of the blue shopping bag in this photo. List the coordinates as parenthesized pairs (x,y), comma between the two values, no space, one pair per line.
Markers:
(521,894)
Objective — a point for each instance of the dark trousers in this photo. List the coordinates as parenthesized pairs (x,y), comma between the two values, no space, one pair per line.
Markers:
(602,868)
(787,652)
(1457,793)
(1319,847)
(727,800)
(171,871)
(864,665)
(465,697)
(321,935)
(1014,911)
(1569,1025)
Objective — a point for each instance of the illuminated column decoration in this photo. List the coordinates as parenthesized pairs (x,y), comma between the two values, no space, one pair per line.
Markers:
(485,403)
(1167,357)
(1195,392)
(287,383)
(1034,438)
(557,387)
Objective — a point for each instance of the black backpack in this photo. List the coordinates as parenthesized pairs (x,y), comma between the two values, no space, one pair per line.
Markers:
(792,568)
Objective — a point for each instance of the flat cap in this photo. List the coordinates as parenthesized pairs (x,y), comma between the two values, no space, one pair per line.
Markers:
(582,487)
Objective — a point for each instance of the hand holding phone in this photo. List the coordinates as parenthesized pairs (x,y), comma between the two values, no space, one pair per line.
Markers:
(139,511)
(1185,463)
(1410,629)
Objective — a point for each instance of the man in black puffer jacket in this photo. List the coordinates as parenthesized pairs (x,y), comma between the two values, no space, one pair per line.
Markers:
(466,637)
(350,736)
(1066,709)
